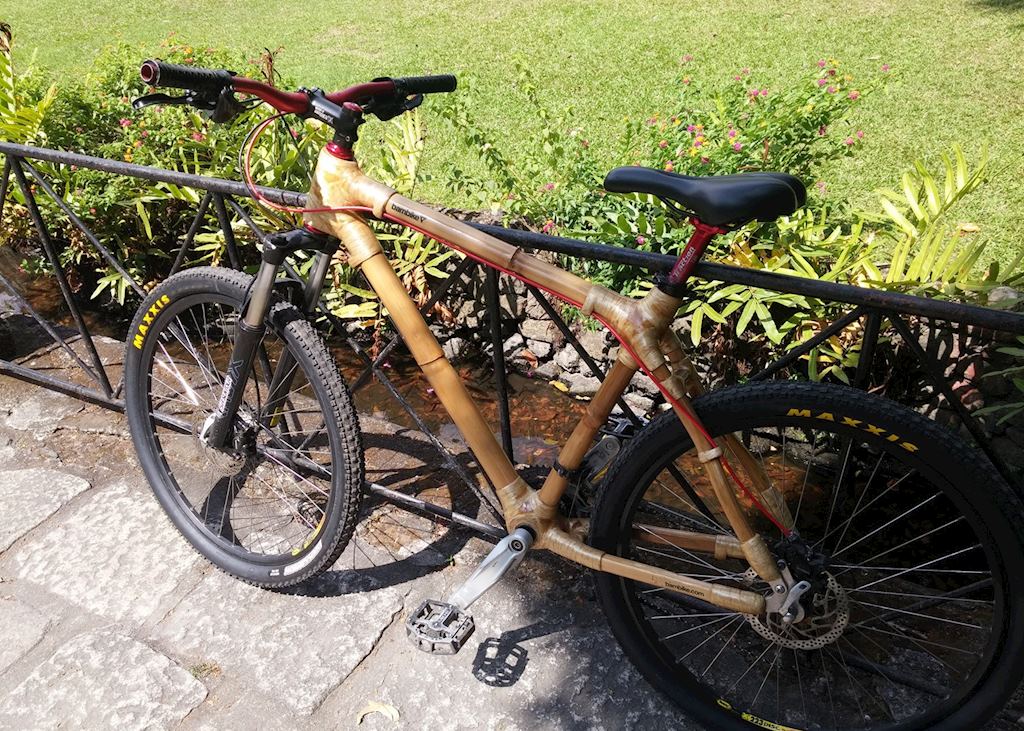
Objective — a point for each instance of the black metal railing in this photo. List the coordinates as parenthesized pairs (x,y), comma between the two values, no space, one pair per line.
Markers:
(873,307)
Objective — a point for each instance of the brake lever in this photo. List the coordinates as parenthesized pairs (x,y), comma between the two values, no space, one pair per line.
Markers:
(393,107)
(222,109)
(163,99)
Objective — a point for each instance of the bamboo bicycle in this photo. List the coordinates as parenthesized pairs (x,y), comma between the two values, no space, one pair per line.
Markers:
(780,555)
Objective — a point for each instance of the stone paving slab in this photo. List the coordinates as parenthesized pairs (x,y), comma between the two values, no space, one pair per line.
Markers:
(294,649)
(41,412)
(103,680)
(541,657)
(28,497)
(117,556)
(21,627)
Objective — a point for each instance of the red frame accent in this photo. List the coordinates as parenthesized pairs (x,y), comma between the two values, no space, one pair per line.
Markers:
(342,153)
(296,102)
(703,231)
(693,251)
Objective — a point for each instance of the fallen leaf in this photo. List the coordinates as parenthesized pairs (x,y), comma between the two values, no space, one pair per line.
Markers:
(560,386)
(389,712)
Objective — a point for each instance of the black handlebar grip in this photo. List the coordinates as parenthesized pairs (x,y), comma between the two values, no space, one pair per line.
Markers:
(194,78)
(426,84)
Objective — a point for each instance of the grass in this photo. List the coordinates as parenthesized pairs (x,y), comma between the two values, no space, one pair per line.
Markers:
(957,65)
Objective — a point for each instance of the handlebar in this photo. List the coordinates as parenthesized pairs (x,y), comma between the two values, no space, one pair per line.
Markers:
(194,78)
(211,82)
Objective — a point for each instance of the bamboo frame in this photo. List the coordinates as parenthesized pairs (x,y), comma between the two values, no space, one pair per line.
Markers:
(641,326)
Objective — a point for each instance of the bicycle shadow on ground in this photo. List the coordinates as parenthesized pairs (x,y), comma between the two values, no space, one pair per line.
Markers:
(391,545)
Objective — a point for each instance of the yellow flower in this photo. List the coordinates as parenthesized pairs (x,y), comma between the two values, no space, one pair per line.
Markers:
(128,155)
(809,107)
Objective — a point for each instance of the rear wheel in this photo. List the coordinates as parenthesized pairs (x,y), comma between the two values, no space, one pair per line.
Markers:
(279,504)
(908,537)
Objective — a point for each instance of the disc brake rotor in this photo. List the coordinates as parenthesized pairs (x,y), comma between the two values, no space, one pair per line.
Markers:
(822,625)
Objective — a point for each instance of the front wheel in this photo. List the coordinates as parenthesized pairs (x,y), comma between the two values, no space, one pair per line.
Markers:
(278,504)
(908,536)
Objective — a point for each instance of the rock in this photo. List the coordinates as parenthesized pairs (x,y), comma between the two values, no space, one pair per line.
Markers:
(1003,297)
(103,680)
(580,385)
(117,556)
(453,348)
(613,353)
(539,348)
(294,648)
(594,343)
(567,358)
(21,627)
(513,343)
(639,403)
(537,330)
(28,497)
(546,370)
(642,383)
(533,308)
(41,412)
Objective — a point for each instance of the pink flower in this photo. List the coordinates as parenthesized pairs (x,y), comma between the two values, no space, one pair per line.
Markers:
(854,95)
(860,134)
(732,133)
(831,90)
(821,63)
(145,133)
(687,58)
(294,133)
(686,81)
(549,186)
(663,144)
(886,67)
(640,241)
(764,92)
(822,82)
(737,78)
(125,122)
(548,226)
(822,130)
(705,160)
(744,71)
(737,146)
(848,141)
(198,136)
(822,187)
(670,166)
(690,128)
(92,211)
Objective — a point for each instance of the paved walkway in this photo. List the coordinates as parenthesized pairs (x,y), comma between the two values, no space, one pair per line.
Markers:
(109,620)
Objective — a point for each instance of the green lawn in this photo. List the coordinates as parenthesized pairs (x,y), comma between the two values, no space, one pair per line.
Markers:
(958,63)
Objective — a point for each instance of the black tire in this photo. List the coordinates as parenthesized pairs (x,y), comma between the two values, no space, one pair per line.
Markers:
(184,330)
(966,485)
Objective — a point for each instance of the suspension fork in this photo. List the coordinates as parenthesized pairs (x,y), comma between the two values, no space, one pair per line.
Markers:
(252,328)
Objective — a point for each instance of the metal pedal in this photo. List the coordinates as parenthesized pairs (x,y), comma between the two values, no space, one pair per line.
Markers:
(439,628)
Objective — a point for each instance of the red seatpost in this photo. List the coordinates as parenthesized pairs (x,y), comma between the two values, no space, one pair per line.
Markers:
(693,251)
